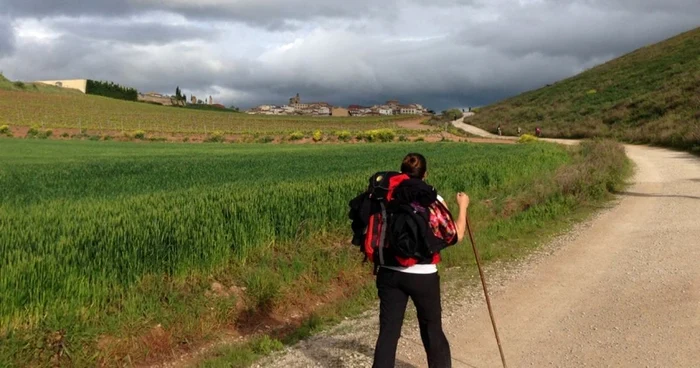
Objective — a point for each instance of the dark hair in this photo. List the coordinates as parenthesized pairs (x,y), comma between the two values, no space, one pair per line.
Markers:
(414,165)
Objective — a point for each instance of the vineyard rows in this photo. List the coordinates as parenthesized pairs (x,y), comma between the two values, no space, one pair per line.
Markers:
(77,111)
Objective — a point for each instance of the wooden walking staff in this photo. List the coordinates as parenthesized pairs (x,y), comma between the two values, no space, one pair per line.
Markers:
(486,293)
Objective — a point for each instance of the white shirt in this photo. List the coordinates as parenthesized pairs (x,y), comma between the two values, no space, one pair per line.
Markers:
(420,269)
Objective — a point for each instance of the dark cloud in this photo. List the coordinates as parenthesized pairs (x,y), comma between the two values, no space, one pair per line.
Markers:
(73,8)
(268,14)
(577,29)
(7,37)
(271,14)
(643,6)
(441,53)
(134,32)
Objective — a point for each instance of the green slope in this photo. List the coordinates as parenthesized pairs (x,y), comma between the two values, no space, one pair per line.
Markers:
(651,95)
(8,85)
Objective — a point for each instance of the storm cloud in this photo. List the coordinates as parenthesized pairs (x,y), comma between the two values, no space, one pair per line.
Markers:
(7,37)
(441,53)
(132,32)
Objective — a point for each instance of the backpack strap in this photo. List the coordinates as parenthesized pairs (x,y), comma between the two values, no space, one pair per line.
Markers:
(382,236)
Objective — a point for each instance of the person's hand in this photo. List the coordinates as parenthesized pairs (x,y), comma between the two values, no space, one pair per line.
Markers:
(462,200)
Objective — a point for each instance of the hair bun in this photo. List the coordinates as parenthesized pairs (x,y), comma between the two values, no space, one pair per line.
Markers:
(414,165)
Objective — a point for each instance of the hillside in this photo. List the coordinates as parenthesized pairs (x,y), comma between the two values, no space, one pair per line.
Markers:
(8,85)
(651,95)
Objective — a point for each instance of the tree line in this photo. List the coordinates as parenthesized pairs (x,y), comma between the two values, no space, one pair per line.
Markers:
(112,90)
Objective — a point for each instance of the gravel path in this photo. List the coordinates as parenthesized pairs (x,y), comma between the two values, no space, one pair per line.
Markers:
(626,292)
(621,290)
(485,134)
(478,131)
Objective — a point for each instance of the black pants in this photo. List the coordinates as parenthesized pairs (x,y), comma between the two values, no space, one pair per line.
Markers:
(394,290)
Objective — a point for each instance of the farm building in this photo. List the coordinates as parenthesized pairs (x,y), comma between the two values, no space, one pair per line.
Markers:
(409,110)
(154,97)
(79,84)
(339,111)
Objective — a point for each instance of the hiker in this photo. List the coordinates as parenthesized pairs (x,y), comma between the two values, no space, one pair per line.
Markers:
(499,130)
(520,131)
(406,256)
(538,132)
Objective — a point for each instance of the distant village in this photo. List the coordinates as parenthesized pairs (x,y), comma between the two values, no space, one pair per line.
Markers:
(294,107)
(297,107)
(165,100)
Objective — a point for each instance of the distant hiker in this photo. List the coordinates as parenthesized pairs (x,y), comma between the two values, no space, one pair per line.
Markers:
(520,131)
(538,132)
(402,224)
(500,132)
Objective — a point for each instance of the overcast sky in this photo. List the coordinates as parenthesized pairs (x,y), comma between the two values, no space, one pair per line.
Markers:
(442,53)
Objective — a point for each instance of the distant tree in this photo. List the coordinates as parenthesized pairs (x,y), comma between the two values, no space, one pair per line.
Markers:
(180,99)
(452,114)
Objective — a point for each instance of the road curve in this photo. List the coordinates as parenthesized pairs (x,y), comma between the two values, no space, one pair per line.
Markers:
(478,131)
(471,129)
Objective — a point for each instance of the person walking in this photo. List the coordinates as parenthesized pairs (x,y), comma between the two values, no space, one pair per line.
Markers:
(520,131)
(500,132)
(415,277)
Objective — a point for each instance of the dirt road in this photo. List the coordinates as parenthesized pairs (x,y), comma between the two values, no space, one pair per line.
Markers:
(624,293)
(487,135)
(478,131)
(622,290)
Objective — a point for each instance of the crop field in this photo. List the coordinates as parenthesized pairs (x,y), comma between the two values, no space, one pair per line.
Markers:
(109,239)
(78,111)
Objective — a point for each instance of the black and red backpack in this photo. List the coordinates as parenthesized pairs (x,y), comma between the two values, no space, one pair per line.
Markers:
(398,221)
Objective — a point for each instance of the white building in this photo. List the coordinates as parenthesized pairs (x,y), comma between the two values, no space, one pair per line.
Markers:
(409,110)
(385,110)
(79,84)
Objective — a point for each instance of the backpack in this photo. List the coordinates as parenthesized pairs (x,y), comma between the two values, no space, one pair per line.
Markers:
(398,221)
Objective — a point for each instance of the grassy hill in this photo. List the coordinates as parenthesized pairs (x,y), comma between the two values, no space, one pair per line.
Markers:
(651,95)
(8,85)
